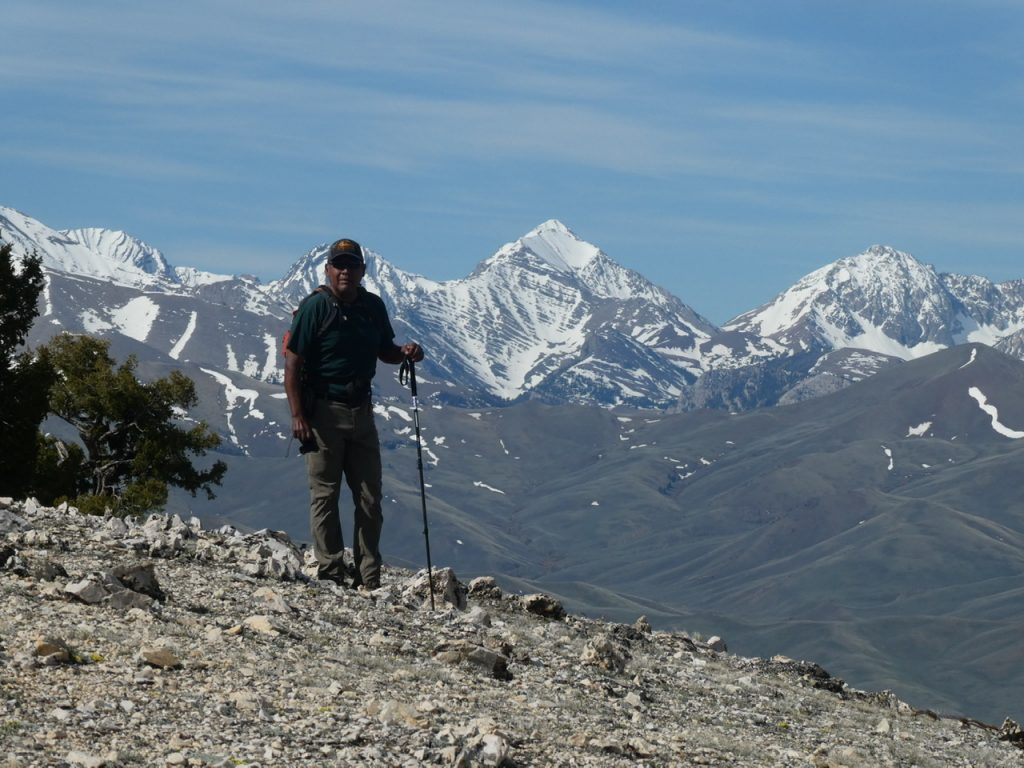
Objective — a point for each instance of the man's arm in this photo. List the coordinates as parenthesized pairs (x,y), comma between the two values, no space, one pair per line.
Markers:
(395,355)
(293,389)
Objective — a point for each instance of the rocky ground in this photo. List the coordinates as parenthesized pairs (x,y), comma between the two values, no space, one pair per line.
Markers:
(158,643)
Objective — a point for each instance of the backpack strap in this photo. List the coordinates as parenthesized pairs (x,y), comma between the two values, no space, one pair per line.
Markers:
(325,326)
(332,314)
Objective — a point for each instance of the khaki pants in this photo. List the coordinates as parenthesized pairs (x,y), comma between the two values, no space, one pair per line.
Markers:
(347,438)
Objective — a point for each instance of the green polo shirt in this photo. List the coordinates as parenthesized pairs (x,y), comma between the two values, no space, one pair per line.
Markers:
(347,350)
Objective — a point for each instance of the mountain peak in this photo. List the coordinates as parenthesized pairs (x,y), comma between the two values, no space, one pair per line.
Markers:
(883,300)
(97,253)
(875,258)
(559,246)
(120,247)
(883,269)
(887,251)
(553,226)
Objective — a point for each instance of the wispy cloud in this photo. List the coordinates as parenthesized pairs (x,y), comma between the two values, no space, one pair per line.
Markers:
(404,88)
(112,162)
(787,123)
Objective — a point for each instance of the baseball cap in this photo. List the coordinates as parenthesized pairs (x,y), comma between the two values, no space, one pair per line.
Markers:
(345,251)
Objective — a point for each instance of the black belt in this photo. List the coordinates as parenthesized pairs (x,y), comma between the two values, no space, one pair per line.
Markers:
(351,400)
(351,393)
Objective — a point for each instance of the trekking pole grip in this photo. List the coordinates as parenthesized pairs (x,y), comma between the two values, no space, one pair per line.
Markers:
(410,367)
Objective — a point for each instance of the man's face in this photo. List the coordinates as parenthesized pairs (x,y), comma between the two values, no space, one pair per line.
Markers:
(344,276)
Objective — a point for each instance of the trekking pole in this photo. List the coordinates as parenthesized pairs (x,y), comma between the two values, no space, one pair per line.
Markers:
(408,372)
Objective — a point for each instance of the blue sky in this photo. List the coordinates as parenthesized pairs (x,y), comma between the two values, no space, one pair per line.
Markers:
(722,149)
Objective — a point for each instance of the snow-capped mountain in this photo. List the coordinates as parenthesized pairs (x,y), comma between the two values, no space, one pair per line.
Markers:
(883,303)
(396,287)
(552,316)
(120,248)
(1012,345)
(548,316)
(96,253)
(888,302)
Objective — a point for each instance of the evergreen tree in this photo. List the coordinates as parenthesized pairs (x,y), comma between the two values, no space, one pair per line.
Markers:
(132,447)
(24,379)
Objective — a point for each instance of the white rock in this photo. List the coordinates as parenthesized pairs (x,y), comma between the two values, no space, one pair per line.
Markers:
(604,652)
(86,760)
(161,657)
(494,749)
(476,616)
(11,523)
(273,600)
(87,590)
(116,527)
(262,624)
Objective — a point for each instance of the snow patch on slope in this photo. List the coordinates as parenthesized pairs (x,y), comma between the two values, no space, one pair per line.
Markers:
(179,345)
(786,309)
(135,319)
(984,333)
(875,339)
(93,323)
(235,397)
(486,487)
(920,430)
(271,372)
(992,411)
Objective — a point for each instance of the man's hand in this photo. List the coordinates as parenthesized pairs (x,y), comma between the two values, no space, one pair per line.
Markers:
(413,351)
(397,354)
(301,429)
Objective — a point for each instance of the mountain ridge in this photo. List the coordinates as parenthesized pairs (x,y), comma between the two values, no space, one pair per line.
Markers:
(565,323)
(550,315)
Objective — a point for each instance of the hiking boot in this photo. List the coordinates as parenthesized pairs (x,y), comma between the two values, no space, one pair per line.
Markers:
(367,586)
(332,578)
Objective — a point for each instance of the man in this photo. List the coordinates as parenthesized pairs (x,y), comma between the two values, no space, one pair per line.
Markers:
(337,335)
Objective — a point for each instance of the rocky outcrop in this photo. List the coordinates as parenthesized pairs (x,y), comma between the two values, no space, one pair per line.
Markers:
(745,388)
(156,642)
